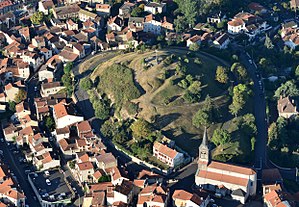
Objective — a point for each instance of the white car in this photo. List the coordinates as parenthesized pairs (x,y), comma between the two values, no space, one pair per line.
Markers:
(250,61)
(35,88)
(48,182)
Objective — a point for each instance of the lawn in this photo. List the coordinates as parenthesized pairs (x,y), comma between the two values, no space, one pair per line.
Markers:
(161,102)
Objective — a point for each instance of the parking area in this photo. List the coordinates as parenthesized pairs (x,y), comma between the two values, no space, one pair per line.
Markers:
(50,186)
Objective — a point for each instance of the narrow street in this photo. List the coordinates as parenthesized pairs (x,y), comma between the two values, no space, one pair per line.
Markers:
(19,171)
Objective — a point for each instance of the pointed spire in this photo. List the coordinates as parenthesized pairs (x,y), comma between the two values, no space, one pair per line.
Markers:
(205,137)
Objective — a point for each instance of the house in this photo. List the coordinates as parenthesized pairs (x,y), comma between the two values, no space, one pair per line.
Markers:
(271,180)
(167,155)
(287,107)
(136,24)
(38,42)
(103,9)
(25,34)
(294,4)
(23,70)
(51,88)
(66,12)
(105,161)
(65,115)
(276,199)
(222,41)
(71,25)
(150,177)
(7,20)
(155,8)
(223,178)
(115,24)
(11,132)
(126,9)
(153,195)
(257,8)
(35,60)
(10,91)
(123,192)
(85,15)
(182,198)
(152,24)
(196,39)
(235,26)
(85,171)
(216,18)
(45,73)
(22,109)
(45,6)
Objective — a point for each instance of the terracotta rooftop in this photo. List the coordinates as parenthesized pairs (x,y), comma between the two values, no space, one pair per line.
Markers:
(165,150)
(231,168)
(236,22)
(85,165)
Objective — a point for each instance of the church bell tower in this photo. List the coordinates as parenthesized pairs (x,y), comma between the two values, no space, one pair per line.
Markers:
(204,152)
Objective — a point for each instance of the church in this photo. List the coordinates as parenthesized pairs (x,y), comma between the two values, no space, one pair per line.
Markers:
(224,179)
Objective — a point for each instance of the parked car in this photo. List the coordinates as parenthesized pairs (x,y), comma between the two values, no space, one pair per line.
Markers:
(48,182)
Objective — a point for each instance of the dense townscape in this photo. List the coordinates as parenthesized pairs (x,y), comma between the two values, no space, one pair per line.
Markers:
(149,103)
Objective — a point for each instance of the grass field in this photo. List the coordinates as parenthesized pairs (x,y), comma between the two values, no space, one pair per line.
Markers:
(174,117)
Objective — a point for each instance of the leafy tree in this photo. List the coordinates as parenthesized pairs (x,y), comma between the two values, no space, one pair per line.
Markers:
(195,87)
(20,96)
(86,83)
(180,24)
(221,137)
(68,67)
(248,124)
(189,8)
(72,164)
(104,178)
(37,18)
(50,123)
(240,72)
(268,43)
(221,74)
(67,81)
(141,129)
(101,110)
(289,88)
(252,141)
(208,104)
(201,118)
(267,66)
(136,12)
(12,106)
(297,71)
(108,129)
(240,95)
(194,47)
(197,61)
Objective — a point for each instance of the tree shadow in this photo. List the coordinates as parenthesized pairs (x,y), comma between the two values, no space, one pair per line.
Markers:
(163,121)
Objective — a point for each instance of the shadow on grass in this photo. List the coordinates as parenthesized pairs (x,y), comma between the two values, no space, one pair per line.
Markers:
(163,121)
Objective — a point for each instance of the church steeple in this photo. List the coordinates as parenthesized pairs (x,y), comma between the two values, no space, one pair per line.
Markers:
(204,152)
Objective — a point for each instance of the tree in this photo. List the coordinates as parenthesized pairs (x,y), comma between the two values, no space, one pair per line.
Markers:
(195,87)
(240,72)
(102,111)
(273,136)
(108,129)
(12,106)
(86,83)
(268,43)
(221,74)
(221,137)
(37,18)
(68,68)
(240,95)
(289,88)
(20,96)
(201,118)
(141,129)
(252,141)
(104,178)
(50,123)
(194,47)
(180,24)
(248,124)
(189,8)
(136,12)
(67,81)
(297,71)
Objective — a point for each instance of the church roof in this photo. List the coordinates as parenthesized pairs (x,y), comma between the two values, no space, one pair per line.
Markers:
(223,178)
(231,168)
